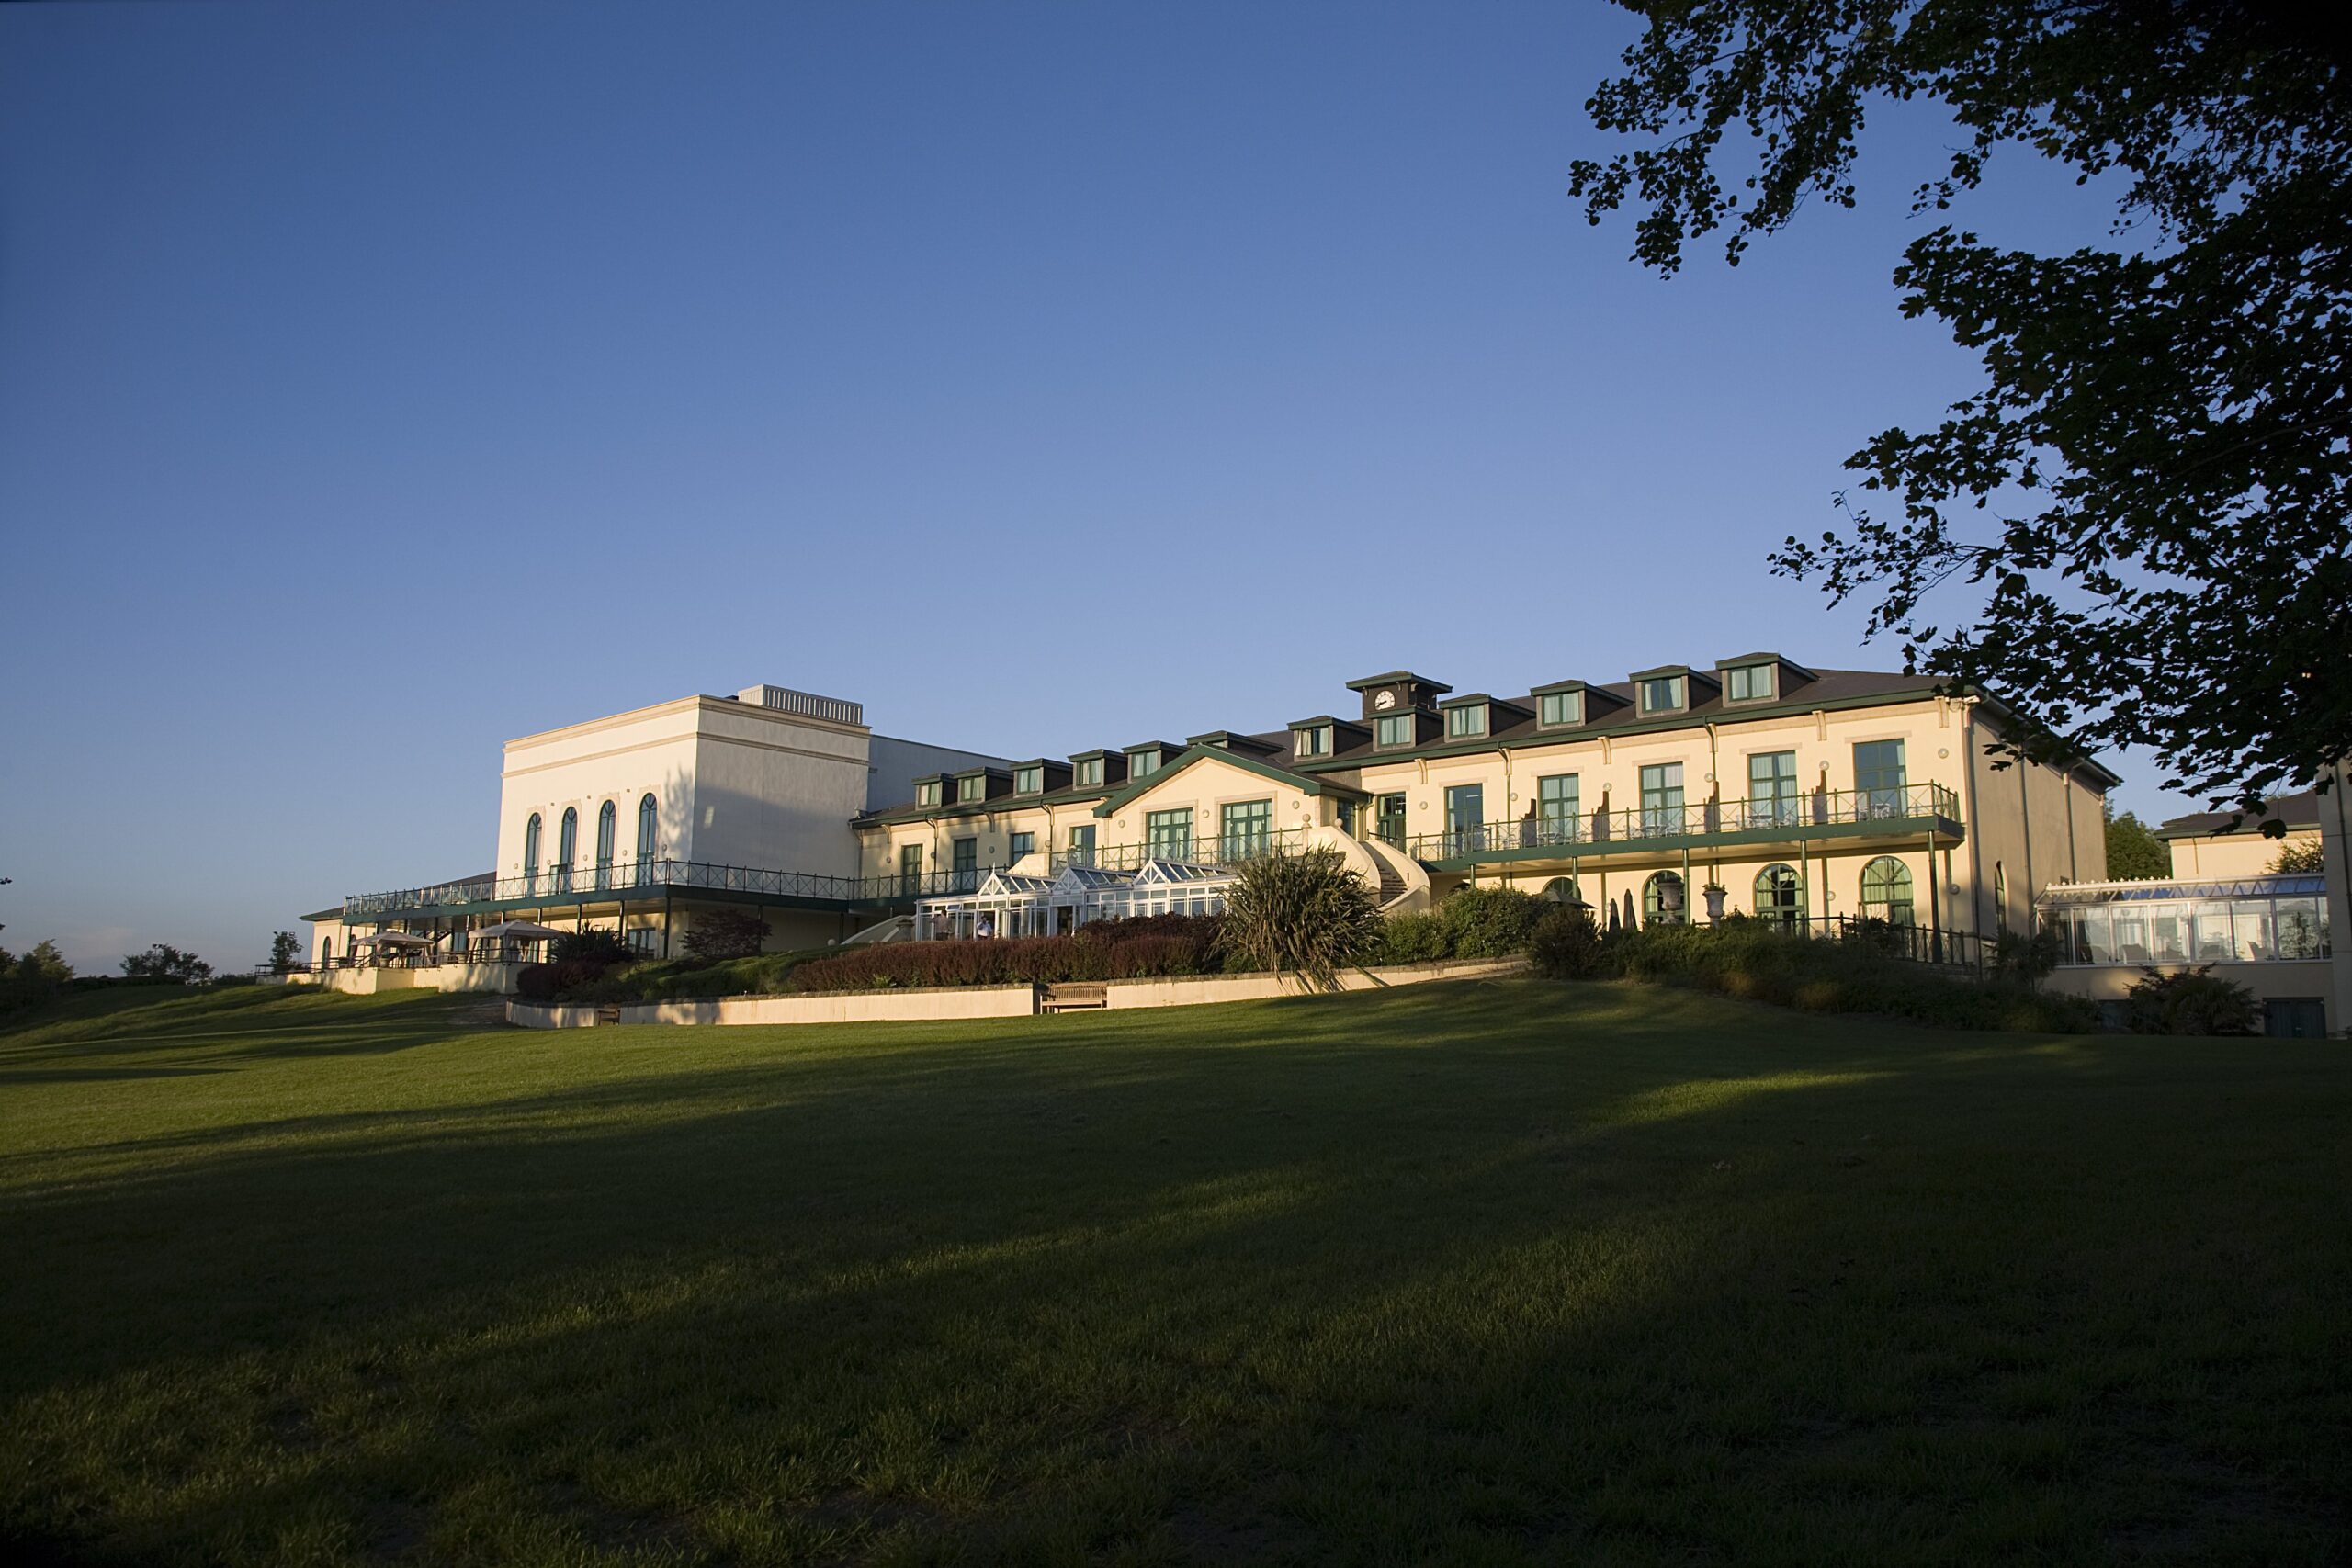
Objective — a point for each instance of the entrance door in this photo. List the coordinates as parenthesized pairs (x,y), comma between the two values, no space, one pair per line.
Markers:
(1465,818)
(1388,819)
(2295,1018)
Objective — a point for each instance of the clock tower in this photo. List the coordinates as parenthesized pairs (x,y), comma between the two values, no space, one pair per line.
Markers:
(1399,691)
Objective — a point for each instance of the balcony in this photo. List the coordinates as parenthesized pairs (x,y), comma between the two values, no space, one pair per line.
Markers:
(1909,810)
(1226,849)
(627,880)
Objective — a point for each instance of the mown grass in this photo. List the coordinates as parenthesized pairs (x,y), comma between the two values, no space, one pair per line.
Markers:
(1500,1273)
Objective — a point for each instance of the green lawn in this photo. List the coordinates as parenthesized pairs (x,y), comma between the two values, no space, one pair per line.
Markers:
(1465,1274)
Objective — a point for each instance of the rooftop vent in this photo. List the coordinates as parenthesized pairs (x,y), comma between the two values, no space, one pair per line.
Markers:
(784,699)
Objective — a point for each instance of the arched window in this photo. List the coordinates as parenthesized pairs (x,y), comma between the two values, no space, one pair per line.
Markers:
(326,952)
(1780,895)
(567,846)
(607,815)
(1562,890)
(648,823)
(1886,891)
(1662,900)
(2000,897)
(531,855)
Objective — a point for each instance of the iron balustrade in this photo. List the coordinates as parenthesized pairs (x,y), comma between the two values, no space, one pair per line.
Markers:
(1633,825)
(623,879)
(1213,849)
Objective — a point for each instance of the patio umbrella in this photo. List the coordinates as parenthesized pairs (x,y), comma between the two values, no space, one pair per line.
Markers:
(396,939)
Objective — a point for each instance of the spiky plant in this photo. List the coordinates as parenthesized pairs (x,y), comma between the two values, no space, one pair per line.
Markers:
(1300,914)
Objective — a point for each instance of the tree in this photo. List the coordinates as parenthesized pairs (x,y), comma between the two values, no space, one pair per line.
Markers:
(2142,505)
(2134,854)
(723,934)
(284,949)
(1304,914)
(44,964)
(2191,1001)
(2309,857)
(165,962)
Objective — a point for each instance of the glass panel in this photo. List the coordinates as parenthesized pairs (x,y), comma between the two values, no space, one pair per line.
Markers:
(2167,934)
(1663,694)
(1466,817)
(1662,797)
(1466,721)
(2302,927)
(1090,774)
(1142,764)
(1878,774)
(1396,729)
(2257,940)
(1563,708)
(1558,810)
(1748,682)
(1028,780)
(1780,895)
(1081,845)
(1315,740)
(1247,828)
(1886,891)
(2132,936)
(1168,835)
(1662,899)
(1388,819)
(2216,933)
(1020,844)
(1772,789)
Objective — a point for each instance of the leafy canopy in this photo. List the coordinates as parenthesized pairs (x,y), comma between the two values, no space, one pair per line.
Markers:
(2134,854)
(2148,492)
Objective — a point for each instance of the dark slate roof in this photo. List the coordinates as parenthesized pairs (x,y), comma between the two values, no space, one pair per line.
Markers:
(2293,810)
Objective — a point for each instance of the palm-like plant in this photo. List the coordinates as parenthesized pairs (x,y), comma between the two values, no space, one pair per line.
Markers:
(1302,914)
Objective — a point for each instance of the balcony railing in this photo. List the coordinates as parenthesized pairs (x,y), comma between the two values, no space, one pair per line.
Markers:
(1215,849)
(1596,830)
(628,878)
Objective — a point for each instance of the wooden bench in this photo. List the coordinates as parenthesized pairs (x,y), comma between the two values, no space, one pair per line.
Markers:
(1073,996)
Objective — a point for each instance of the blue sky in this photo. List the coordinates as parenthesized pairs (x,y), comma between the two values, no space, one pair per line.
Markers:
(381,381)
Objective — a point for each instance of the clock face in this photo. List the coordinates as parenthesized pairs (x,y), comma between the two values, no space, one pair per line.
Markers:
(1385,700)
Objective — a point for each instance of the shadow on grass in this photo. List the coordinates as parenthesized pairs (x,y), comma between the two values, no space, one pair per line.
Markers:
(1500,1273)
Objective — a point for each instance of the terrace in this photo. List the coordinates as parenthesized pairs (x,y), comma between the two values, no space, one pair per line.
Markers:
(1923,811)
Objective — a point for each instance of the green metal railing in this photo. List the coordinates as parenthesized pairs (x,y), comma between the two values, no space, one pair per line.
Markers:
(634,878)
(1213,849)
(1596,830)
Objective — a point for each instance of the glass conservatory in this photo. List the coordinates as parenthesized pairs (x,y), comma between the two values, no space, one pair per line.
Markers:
(1010,904)
(2279,918)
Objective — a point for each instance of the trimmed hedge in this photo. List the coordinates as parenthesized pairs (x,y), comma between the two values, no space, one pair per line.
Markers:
(1145,948)
(1474,922)
(1744,957)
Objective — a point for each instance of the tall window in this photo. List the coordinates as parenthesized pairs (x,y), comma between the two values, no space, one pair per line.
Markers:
(607,816)
(1772,789)
(1878,777)
(1388,819)
(1886,891)
(1392,729)
(1465,818)
(1087,773)
(1662,694)
(531,855)
(1247,827)
(648,831)
(1561,707)
(1168,835)
(1662,901)
(1470,719)
(1662,798)
(1315,740)
(911,867)
(1780,895)
(1558,809)
(2000,898)
(567,847)
(1019,844)
(967,862)
(1747,684)
(1081,845)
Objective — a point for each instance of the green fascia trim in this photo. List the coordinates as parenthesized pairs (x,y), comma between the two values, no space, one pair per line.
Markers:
(1192,754)
(1554,686)
(636,897)
(1663,670)
(995,805)
(1781,709)
(333,914)
(1393,676)
(1944,829)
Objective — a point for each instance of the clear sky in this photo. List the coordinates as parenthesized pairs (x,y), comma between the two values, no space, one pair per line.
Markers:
(381,381)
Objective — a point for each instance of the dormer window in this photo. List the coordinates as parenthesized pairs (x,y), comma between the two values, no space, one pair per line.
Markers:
(1087,775)
(969,789)
(1392,730)
(1143,764)
(1749,683)
(1028,781)
(1315,740)
(1664,694)
(1559,708)
(927,792)
(1465,722)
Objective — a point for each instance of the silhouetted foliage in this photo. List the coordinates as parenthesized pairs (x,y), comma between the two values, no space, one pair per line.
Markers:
(603,948)
(165,962)
(721,934)
(2145,498)
(2192,1001)
(285,948)
(2308,857)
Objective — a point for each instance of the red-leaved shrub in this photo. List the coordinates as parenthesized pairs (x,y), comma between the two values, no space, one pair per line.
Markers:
(1111,950)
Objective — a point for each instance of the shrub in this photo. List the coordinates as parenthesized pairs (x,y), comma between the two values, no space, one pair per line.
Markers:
(1413,939)
(1489,922)
(2192,1001)
(1564,945)
(560,979)
(591,946)
(165,962)
(1145,948)
(2025,955)
(2307,856)
(1304,914)
(723,934)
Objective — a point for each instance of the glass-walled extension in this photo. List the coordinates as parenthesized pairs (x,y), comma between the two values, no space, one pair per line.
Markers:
(2262,920)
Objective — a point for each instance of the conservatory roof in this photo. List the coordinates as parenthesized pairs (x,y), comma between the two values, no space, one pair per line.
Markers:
(2275,884)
